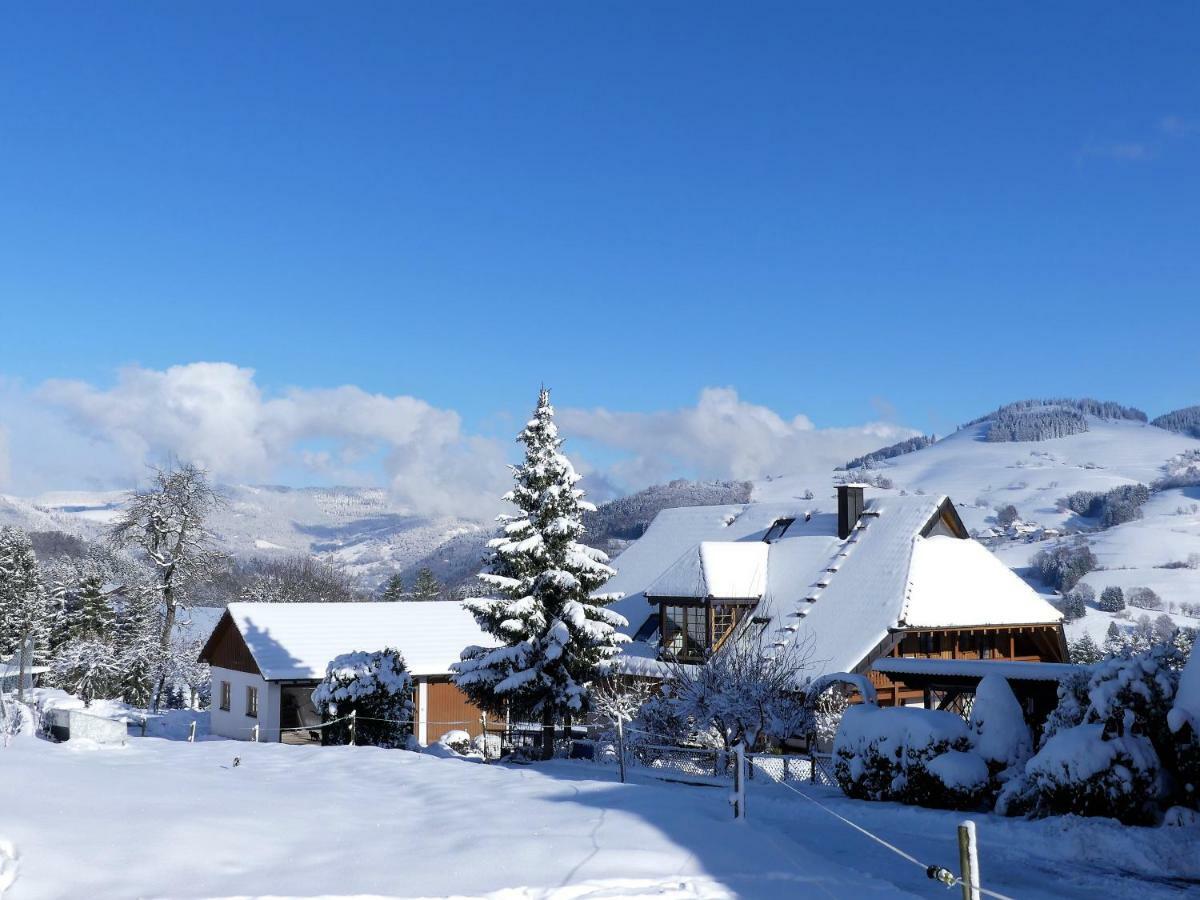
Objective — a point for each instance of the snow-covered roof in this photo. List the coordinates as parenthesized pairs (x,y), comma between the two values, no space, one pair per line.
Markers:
(724,569)
(954,582)
(837,598)
(297,640)
(973,668)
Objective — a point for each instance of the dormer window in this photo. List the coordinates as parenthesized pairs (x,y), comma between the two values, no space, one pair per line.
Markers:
(777,530)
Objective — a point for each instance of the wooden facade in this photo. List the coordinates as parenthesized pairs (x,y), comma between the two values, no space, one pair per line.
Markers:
(227,649)
(1010,643)
(448,709)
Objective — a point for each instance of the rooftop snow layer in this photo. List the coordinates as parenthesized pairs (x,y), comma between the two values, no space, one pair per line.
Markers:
(973,668)
(954,582)
(297,640)
(728,570)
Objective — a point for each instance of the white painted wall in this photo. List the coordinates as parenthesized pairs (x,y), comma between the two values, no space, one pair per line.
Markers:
(235,723)
(423,711)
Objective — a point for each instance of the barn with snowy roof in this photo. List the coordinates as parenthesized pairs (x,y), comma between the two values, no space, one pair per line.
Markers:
(893,576)
(266,659)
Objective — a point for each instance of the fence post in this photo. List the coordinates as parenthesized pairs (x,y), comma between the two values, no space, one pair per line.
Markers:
(353,721)
(256,732)
(192,732)
(968,860)
(786,771)
(483,726)
(621,746)
(738,799)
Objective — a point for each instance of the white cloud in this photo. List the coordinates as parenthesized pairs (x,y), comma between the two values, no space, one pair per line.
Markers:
(722,436)
(68,434)
(215,414)
(5,458)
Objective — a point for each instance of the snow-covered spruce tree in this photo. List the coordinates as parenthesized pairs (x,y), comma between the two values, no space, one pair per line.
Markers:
(1086,651)
(140,656)
(556,638)
(87,667)
(393,590)
(94,617)
(426,587)
(377,688)
(1112,599)
(167,523)
(23,607)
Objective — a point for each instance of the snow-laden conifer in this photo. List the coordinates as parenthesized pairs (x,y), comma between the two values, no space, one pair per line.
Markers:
(555,637)
(23,606)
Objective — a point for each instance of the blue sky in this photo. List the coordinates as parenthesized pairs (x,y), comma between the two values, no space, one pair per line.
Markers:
(887,212)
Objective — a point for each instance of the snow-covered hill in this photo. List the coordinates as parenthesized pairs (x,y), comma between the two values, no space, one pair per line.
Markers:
(982,476)
(359,529)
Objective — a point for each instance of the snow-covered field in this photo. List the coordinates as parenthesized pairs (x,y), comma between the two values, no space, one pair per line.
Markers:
(160,818)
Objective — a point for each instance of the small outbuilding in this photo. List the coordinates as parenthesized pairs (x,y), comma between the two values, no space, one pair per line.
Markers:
(267,658)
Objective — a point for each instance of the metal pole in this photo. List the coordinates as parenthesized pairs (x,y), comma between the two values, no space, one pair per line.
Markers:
(968,860)
(192,732)
(621,747)
(739,782)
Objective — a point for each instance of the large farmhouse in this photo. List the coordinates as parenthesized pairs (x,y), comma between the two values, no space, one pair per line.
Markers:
(897,576)
(267,658)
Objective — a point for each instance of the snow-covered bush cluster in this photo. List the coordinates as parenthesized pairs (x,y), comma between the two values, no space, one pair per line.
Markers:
(376,687)
(933,757)
(1116,744)
(916,756)
(872,459)
(1063,566)
(1113,507)
(1180,471)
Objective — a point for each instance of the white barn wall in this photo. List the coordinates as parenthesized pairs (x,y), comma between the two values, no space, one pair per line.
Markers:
(234,723)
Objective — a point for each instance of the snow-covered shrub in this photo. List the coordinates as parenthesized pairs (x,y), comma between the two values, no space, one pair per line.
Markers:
(1072,704)
(1184,722)
(457,740)
(377,687)
(1134,695)
(1079,770)
(1108,749)
(1112,599)
(999,731)
(912,755)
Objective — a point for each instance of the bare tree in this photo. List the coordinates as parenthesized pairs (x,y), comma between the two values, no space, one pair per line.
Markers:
(747,691)
(167,523)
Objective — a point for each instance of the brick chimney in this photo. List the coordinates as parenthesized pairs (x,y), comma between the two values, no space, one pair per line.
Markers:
(850,507)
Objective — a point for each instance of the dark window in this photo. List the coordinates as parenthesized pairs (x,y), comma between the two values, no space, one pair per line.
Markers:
(684,636)
(777,530)
(225,695)
(252,701)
